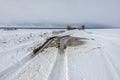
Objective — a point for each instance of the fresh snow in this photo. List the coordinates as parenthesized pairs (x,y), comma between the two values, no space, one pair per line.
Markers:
(95,59)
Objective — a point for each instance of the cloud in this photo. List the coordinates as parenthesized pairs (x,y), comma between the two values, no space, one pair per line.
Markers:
(35,11)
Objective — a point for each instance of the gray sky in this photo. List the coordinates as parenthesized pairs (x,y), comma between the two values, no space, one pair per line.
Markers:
(91,11)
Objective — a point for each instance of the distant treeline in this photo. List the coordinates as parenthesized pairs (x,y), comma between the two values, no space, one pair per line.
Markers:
(62,27)
(29,28)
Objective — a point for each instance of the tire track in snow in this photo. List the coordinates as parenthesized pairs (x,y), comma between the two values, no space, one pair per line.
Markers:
(60,68)
(114,44)
(12,69)
(110,65)
(108,59)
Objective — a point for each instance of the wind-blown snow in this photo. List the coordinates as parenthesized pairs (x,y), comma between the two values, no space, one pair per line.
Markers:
(97,59)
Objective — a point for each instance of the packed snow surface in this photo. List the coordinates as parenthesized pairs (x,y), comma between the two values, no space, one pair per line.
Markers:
(97,58)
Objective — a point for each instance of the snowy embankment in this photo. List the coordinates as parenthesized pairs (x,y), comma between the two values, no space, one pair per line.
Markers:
(96,58)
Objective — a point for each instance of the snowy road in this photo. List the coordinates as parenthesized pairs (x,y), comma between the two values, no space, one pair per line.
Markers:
(96,59)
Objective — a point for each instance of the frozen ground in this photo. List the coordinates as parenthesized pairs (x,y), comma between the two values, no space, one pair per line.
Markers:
(97,59)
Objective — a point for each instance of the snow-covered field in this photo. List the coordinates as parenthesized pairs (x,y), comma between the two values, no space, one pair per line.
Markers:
(97,59)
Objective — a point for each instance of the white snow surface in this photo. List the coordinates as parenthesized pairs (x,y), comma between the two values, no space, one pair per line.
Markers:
(97,59)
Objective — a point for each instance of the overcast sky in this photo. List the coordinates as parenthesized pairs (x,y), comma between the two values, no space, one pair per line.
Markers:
(35,11)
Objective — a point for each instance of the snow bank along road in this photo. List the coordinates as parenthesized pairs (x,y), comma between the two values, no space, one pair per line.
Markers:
(96,57)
